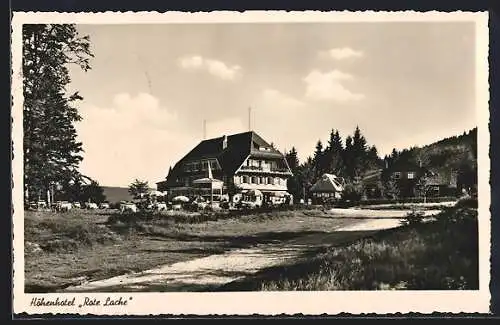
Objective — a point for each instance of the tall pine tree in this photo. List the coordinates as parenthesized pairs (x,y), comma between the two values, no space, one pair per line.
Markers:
(294,184)
(292,159)
(51,150)
(333,154)
(319,160)
(348,158)
(359,153)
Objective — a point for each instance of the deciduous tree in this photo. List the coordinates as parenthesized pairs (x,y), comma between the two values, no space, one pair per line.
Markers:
(51,151)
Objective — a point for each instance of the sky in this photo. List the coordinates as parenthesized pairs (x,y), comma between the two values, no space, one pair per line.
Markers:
(152,86)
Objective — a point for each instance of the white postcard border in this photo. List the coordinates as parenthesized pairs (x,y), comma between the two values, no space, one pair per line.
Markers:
(264,303)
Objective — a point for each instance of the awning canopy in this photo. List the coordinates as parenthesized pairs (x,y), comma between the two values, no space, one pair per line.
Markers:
(180,198)
(215,183)
(252,192)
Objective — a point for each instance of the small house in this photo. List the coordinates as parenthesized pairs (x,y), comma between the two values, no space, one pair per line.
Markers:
(329,187)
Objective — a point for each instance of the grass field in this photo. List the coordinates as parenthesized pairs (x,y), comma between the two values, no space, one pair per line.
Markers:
(64,249)
(438,255)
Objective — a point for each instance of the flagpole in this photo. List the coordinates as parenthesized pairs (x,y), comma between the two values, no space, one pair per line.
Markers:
(211,184)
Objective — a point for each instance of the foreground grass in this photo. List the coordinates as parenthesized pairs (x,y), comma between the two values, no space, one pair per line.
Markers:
(64,249)
(438,255)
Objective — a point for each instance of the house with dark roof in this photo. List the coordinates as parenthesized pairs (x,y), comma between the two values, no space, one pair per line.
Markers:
(243,160)
(438,182)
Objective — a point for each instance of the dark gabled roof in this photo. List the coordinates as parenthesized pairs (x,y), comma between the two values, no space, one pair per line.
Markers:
(441,177)
(328,183)
(239,147)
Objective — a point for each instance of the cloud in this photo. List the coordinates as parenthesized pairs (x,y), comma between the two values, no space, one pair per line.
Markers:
(192,62)
(328,86)
(341,53)
(273,114)
(134,137)
(277,99)
(214,67)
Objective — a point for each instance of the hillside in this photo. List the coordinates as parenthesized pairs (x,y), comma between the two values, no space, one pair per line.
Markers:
(453,160)
(451,153)
(116,194)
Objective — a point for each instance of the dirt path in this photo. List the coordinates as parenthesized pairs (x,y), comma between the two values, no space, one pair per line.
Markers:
(215,270)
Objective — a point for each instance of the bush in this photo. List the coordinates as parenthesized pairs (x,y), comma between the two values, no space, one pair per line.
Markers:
(467,203)
(414,217)
(351,193)
(407,200)
(457,214)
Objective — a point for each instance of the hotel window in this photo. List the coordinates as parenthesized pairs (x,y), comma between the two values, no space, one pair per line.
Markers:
(397,175)
(204,165)
(411,175)
(254,180)
(245,179)
(270,180)
(213,164)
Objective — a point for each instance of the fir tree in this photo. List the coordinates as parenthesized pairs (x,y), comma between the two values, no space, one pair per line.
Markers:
(348,155)
(292,159)
(333,155)
(319,160)
(359,154)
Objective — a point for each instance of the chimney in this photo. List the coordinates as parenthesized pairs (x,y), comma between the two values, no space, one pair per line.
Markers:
(224,142)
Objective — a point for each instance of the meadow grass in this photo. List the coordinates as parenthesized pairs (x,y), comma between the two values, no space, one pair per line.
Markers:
(430,256)
(64,249)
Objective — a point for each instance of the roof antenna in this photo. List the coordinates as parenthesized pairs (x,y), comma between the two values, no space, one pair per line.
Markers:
(249,118)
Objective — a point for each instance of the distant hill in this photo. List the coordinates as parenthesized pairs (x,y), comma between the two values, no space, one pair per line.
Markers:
(452,152)
(453,160)
(448,153)
(116,194)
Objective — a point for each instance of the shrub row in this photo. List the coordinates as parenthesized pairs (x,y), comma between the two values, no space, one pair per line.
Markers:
(206,215)
(344,204)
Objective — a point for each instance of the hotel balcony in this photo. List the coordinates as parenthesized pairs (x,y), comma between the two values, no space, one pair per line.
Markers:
(265,169)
